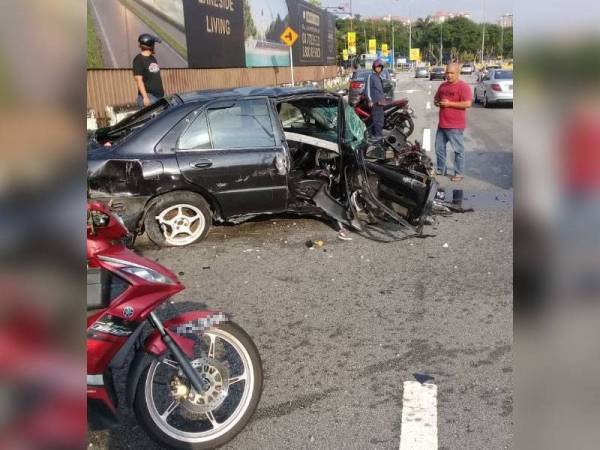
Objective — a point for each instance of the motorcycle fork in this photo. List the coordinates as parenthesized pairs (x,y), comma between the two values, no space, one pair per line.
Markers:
(198,383)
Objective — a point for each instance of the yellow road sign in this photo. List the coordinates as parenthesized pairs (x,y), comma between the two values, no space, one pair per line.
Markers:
(289,36)
(372,46)
(345,55)
(351,42)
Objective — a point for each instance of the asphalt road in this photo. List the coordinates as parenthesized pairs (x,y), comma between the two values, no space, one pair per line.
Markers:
(340,329)
(118,29)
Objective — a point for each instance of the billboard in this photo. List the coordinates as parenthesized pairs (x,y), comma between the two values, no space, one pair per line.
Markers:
(210,33)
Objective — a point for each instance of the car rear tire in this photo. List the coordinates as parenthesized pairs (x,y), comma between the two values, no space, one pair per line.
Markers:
(486,103)
(178,219)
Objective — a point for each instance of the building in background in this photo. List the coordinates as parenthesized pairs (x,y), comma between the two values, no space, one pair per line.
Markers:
(506,20)
(442,16)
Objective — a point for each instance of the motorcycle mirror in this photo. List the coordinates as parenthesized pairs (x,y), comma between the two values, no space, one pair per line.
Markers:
(90,224)
(99,219)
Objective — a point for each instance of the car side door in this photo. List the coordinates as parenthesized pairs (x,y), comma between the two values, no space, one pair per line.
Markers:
(232,151)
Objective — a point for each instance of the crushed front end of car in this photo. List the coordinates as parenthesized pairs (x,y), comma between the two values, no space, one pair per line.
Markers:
(390,188)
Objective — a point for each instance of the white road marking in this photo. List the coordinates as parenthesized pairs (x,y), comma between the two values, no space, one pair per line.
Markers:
(428,105)
(410,91)
(419,417)
(110,51)
(427,139)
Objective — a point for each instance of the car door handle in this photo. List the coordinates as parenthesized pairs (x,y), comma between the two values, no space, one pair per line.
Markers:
(202,164)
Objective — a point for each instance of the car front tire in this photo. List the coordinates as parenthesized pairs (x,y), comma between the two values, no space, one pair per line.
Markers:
(177,219)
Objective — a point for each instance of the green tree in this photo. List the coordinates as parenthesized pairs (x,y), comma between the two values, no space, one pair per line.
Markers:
(249,27)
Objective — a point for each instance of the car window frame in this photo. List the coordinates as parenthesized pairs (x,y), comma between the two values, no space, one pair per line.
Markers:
(198,112)
(276,142)
(204,110)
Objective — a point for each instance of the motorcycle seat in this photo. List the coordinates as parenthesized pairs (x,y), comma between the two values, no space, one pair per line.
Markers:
(396,103)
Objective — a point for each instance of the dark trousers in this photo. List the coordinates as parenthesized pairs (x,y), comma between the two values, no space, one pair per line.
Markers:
(377,117)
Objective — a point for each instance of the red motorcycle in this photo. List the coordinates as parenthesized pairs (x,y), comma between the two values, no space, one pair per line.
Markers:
(396,115)
(194,381)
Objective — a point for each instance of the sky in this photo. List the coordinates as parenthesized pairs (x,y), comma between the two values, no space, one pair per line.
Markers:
(422,8)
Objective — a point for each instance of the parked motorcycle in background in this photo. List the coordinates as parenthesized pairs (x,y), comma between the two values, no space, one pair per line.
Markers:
(194,381)
(398,116)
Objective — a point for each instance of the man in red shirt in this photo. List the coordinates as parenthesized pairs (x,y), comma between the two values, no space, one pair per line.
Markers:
(453,97)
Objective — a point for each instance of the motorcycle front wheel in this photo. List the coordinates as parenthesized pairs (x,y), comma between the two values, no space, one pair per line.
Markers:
(173,414)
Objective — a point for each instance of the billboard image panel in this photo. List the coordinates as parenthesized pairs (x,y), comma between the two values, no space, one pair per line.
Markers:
(264,21)
(210,33)
(114,27)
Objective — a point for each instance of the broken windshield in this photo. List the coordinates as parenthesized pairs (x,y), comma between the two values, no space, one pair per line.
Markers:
(354,131)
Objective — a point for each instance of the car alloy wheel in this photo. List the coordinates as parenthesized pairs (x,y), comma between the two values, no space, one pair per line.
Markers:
(181,224)
(178,218)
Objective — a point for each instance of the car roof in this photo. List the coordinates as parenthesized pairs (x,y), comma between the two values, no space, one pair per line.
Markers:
(273,92)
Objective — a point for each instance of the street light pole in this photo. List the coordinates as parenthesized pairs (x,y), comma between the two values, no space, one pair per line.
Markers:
(441,44)
(502,41)
(393,45)
(409,32)
(483,34)
(409,36)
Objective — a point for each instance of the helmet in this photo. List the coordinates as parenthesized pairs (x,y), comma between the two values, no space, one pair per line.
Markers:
(378,63)
(148,40)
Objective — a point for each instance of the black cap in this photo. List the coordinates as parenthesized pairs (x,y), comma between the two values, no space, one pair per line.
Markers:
(148,40)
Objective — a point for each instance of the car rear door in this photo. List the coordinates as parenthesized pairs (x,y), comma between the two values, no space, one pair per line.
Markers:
(231,151)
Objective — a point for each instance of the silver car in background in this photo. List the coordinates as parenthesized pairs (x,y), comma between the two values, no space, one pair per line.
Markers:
(422,72)
(494,87)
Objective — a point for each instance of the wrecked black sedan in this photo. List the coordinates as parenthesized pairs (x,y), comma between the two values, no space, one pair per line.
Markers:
(188,161)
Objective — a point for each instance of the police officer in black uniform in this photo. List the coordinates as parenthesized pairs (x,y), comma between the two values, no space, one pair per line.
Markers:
(146,72)
(376,99)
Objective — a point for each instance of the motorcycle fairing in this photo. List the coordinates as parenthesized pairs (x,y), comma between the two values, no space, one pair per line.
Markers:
(190,323)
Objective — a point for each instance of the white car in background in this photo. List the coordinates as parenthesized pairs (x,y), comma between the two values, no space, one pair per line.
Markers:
(494,87)
(467,69)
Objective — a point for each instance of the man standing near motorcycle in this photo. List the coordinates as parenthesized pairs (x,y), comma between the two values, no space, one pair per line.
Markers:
(376,99)
(453,97)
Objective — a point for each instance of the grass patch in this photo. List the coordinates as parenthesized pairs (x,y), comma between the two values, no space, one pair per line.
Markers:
(160,32)
(94,45)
